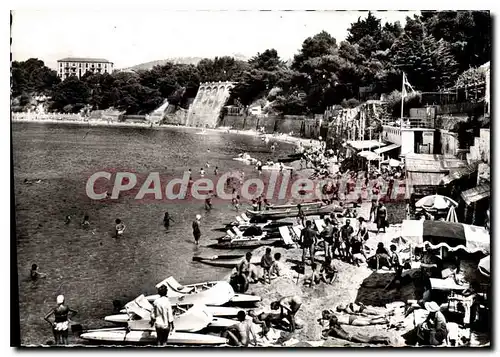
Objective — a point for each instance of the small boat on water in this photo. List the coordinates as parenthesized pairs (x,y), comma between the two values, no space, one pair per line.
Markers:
(124,335)
(293,212)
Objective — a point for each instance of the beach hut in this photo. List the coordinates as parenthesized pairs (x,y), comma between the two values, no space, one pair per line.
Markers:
(453,236)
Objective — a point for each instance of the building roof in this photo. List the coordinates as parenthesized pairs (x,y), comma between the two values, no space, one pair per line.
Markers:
(475,194)
(82,59)
(432,163)
(365,144)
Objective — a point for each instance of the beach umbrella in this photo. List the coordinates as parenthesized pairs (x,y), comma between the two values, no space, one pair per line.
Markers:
(435,202)
(453,236)
(394,163)
(484,266)
(452,215)
(369,155)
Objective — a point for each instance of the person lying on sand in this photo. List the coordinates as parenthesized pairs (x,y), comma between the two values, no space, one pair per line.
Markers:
(362,310)
(355,320)
(335,330)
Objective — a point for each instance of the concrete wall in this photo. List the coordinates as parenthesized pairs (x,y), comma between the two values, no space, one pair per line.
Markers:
(208,103)
(449,142)
(177,118)
(407,142)
(299,125)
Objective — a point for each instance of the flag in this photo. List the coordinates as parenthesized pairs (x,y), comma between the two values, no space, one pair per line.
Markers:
(406,86)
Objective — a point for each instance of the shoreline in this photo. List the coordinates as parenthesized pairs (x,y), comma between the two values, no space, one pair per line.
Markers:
(113,124)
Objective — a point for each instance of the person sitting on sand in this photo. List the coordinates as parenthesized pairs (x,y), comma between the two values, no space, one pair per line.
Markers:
(265,320)
(433,330)
(355,320)
(362,310)
(277,269)
(328,272)
(239,334)
(335,330)
(35,274)
(290,304)
(314,279)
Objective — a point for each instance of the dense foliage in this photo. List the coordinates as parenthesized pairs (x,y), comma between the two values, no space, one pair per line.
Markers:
(433,49)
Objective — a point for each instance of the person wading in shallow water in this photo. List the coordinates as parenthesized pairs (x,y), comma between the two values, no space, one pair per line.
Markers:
(167,219)
(196,229)
(35,274)
(60,325)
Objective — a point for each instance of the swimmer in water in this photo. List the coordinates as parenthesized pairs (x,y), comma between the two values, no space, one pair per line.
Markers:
(67,220)
(202,172)
(190,175)
(85,222)
(119,228)
(216,171)
(35,274)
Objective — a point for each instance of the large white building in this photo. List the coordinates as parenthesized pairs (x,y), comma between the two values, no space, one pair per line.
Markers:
(73,66)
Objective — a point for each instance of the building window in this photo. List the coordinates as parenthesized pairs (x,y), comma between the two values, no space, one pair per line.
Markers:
(86,65)
(99,65)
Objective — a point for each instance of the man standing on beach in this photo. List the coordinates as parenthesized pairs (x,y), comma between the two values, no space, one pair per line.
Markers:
(308,239)
(162,317)
(196,229)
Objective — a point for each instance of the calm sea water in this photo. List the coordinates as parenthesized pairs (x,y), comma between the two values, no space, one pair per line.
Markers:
(89,266)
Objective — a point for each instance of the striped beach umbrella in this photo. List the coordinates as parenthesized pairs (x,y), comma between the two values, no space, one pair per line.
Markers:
(452,215)
(453,236)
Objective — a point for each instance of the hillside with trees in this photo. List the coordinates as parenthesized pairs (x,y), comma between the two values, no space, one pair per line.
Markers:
(433,49)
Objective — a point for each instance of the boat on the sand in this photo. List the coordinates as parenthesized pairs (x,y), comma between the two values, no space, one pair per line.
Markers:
(218,292)
(303,205)
(224,261)
(215,311)
(183,321)
(293,212)
(190,318)
(277,167)
(124,335)
(242,242)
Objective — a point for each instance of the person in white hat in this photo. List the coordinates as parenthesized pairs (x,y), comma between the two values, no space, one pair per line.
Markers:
(61,321)
(433,330)
(196,229)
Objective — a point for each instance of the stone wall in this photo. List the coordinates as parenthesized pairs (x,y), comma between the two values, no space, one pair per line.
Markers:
(177,118)
(208,103)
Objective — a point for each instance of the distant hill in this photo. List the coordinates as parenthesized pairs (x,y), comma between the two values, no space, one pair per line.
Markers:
(176,60)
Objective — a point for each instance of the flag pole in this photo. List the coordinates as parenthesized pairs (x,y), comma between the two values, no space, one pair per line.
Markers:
(402,101)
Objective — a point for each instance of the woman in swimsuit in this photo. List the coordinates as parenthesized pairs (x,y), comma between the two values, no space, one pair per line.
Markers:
(61,321)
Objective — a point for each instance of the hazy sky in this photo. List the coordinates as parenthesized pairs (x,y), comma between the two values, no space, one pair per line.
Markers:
(128,37)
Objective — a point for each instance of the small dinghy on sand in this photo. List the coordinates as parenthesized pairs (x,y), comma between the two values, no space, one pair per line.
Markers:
(217,293)
(188,318)
(124,335)
(191,318)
